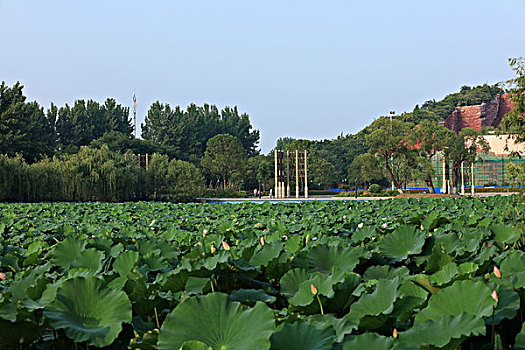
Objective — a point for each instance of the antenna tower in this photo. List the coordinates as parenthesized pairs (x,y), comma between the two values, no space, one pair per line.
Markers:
(134,115)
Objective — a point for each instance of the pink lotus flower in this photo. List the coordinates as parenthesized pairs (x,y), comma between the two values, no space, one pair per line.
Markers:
(488,244)
(360,225)
(385,225)
(394,333)
(494,296)
(2,276)
(204,233)
(313,289)
(497,272)
(213,249)
(344,217)
(225,245)
(262,241)
(285,237)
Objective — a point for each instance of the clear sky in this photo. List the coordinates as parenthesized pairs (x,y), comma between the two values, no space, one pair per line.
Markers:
(304,69)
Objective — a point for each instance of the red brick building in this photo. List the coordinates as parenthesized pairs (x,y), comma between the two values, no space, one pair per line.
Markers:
(486,114)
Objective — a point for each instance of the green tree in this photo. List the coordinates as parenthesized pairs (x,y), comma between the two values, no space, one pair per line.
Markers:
(389,142)
(466,147)
(224,155)
(428,138)
(24,127)
(514,121)
(365,169)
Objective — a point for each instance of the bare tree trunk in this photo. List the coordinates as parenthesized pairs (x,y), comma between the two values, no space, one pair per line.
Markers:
(391,174)
(429,182)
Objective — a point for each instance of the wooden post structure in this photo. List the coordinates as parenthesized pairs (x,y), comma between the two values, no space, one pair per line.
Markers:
(276,182)
(444,187)
(147,162)
(472,178)
(287,174)
(305,174)
(462,179)
(296,174)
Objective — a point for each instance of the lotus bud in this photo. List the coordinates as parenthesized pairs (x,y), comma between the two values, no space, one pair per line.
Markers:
(262,240)
(394,333)
(285,237)
(2,276)
(385,225)
(213,249)
(225,245)
(360,225)
(313,289)
(488,244)
(204,233)
(494,296)
(421,227)
(429,234)
(497,272)
(344,217)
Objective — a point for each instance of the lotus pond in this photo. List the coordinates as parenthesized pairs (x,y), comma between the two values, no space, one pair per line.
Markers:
(401,274)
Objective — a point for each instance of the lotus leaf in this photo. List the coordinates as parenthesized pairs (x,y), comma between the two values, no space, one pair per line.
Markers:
(369,341)
(381,301)
(441,332)
(219,323)
(88,311)
(303,336)
(472,297)
(404,241)
(513,269)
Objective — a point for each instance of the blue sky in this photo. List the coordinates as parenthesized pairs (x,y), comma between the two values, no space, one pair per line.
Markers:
(304,69)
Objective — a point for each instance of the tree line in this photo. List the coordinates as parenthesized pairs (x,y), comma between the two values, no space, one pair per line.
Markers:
(85,151)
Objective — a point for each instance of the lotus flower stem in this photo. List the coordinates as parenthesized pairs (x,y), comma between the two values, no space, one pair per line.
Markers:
(211,283)
(320,304)
(156,317)
(492,337)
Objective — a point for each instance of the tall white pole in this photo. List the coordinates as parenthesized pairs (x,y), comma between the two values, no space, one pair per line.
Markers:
(444,188)
(472,179)
(276,184)
(296,173)
(305,174)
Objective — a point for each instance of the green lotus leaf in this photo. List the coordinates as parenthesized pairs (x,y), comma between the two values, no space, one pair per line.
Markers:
(441,332)
(438,258)
(472,297)
(385,272)
(303,336)
(253,295)
(363,233)
(451,272)
(342,326)
(507,308)
(505,234)
(430,221)
(194,345)
(520,338)
(326,259)
(219,323)
(89,259)
(296,285)
(67,252)
(266,254)
(381,301)
(513,269)
(369,341)
(404,241)
(88,311)
(125,262)
(16,335)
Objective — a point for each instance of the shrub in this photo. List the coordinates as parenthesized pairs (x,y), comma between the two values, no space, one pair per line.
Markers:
(374,188)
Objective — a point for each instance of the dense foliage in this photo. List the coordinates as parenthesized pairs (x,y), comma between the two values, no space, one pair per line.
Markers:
(98,174)
(321,275)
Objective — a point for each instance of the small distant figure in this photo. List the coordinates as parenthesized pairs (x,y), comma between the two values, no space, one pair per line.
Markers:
(271,193)
(254,193)
(259,194)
